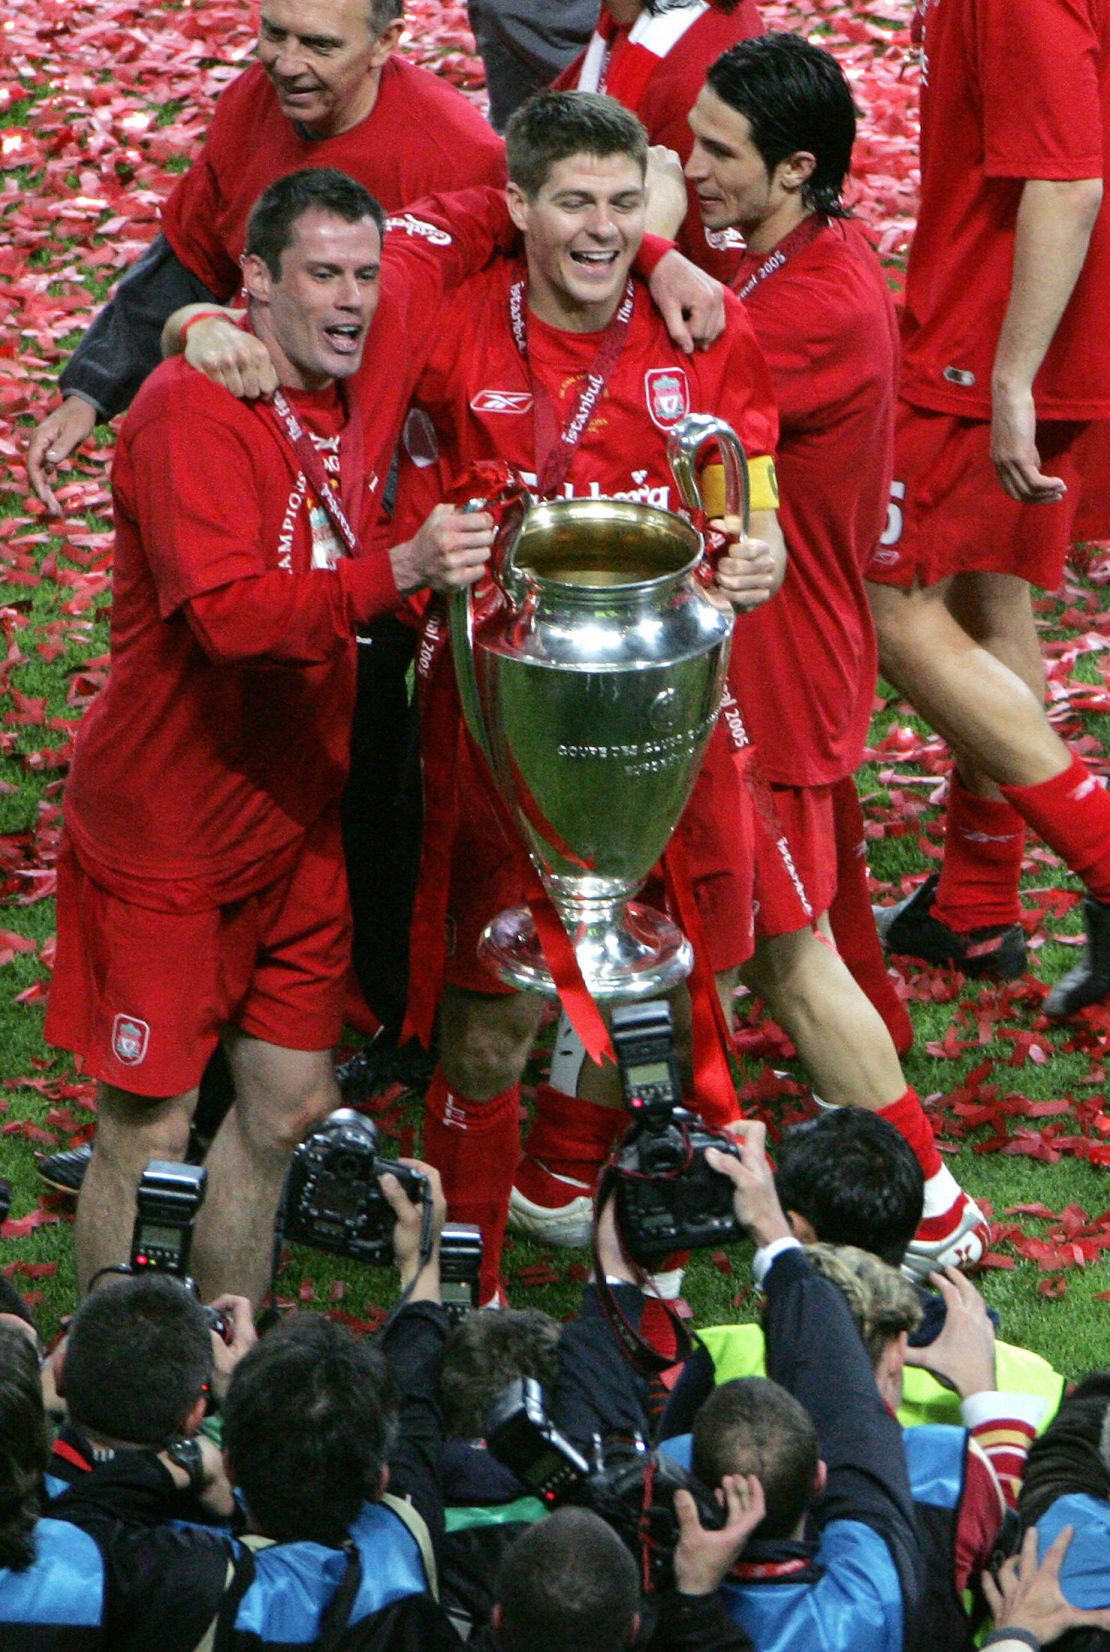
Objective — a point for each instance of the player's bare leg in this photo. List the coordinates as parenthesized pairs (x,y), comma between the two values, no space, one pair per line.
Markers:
(978,703)
(840,1037)
(280,1096)
(130,1131)
(486,1038)
(983,708)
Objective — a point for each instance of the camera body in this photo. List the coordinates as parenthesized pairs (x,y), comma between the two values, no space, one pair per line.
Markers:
(630,1486)
(332,1200)
(667,1197)
(167,1200)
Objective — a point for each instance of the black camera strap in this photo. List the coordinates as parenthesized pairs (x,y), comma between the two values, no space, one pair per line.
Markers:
(639,1353)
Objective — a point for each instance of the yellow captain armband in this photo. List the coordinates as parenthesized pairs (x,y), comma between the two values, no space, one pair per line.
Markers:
(762,480)
(764,483)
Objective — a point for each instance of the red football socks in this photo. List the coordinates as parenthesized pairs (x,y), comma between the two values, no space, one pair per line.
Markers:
(1071,812)
(908,1117)
(475,1146)
(852,921)
(984,842)
(567,1144)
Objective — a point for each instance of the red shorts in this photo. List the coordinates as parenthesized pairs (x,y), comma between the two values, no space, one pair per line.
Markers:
(808,858)
(140,996)
(949,515)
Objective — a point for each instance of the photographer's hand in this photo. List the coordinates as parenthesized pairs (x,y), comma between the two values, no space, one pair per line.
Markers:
(962,1356)
(226,1355)
(755,1199)
(1028,1596)
(703,1559)
(611,1259)
(214,1494)
(406,1233)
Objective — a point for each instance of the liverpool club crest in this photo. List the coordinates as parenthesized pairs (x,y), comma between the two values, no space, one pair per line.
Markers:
(130,1037)
(668,396)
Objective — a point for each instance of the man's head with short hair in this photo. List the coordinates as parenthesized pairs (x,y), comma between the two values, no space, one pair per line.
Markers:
(324,58)
(795,97)
(308,1421)
(558,126)
(137,1360)
(883,1304)
(854,1180)
(24,1447)
(576,192)
(567,1585)
(272,225)
(312,268)
(484,1354)
(752,1426)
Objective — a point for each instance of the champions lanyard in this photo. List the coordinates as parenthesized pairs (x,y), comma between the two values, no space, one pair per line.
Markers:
(555,448)
(313,466)
(800,237)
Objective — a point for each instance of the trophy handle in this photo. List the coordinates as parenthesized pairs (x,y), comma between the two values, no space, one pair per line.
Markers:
(461,617)
(686,441)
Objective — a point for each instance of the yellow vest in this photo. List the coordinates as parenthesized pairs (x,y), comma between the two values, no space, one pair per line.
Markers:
(737,1351)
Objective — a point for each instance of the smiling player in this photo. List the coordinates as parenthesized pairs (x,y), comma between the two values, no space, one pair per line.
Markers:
(559,365)
(201,890)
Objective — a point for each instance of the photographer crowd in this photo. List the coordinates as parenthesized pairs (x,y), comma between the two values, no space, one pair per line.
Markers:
(441,328)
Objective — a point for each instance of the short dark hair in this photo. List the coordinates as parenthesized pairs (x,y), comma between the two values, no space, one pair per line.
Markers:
(854,1179)
(484,1354)
(794,96)
(552,126)
(752,1426)
(275,213)
(138,1357)
(568,1584)
(308,1422)
(24,1448)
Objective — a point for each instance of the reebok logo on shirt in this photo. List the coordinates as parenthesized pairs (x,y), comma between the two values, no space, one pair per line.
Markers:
(501,401)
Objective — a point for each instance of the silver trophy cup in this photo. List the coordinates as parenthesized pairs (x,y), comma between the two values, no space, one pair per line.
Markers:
(593,697)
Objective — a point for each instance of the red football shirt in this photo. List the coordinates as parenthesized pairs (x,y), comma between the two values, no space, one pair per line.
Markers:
(222,732)
(804,664)
(1009,92)
(474,400)
(420,138)
(663,102)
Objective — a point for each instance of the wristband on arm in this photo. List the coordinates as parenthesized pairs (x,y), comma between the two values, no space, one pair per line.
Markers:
(201,315)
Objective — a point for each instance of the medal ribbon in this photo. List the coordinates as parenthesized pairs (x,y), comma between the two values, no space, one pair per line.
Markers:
(800,237)
(313,466)
(555,448)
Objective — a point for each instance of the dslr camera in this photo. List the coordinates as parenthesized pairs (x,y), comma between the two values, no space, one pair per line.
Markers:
(166,1204)
(630,1486)
(667,1197)
(332,1200)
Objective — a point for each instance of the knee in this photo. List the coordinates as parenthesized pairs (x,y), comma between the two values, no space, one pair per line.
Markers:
(281,1129)
(483,1053)
(140,1128)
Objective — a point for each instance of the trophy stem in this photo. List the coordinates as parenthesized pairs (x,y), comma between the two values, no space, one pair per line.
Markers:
(625,950)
